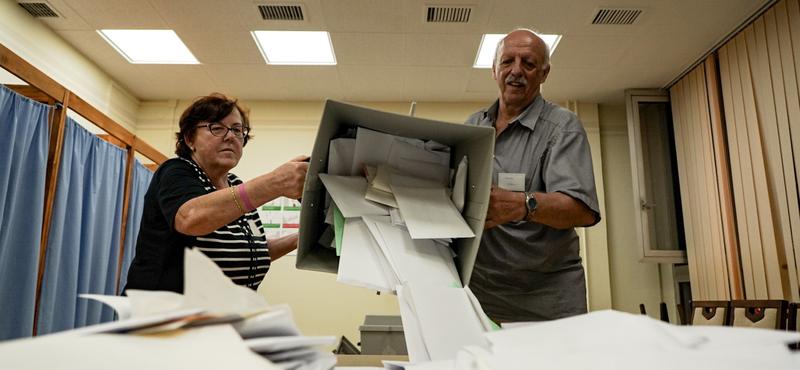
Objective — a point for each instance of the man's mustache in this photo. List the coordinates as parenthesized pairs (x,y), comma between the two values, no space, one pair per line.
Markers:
(517,79)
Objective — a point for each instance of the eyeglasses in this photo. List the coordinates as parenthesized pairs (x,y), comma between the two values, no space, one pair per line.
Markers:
(220,130)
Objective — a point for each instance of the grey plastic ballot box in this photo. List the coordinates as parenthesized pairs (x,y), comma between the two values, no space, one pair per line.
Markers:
(477,143)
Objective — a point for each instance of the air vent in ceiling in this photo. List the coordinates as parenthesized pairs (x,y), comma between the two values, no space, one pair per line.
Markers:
(617,16)
(448,14)
(39,9)
(273,12)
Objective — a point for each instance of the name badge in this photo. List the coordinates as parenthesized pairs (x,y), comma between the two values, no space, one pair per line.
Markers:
(511,181)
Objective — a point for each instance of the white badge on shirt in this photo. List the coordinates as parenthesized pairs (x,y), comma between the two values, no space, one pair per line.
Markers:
(511,181)
(254,228)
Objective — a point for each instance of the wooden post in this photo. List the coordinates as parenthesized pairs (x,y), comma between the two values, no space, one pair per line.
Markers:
(57,128)
(126,202)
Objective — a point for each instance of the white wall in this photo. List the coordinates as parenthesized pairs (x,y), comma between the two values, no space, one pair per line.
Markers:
(41,47)
(632,282)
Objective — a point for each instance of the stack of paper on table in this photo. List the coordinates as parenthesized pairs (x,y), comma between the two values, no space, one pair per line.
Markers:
(215,324)
(620,341)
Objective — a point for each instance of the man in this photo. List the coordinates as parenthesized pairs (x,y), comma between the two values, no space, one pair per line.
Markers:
(528,266)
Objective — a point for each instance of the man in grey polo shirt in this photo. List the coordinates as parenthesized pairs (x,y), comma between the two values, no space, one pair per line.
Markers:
(528,266)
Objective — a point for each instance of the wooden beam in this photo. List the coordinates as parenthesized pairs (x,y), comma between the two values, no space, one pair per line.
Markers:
(126,202)
(57,128)
(148,151)
(112,140)
(32,93)
(30,74)
(102,121)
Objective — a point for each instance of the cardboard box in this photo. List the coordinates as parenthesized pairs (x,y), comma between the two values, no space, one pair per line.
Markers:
(477,143)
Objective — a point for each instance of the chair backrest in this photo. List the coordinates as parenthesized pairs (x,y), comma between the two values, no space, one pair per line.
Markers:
(766,314)
(710,313)
(794,312)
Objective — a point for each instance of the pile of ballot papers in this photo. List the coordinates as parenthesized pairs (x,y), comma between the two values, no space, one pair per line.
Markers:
(619,341)
(215,324)
(394,210)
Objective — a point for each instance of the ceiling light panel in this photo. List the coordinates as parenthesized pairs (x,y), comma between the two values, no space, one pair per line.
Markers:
(485,55)
(149,46)
(295,47)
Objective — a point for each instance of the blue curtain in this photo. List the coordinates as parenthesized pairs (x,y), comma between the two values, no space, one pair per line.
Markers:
(141,181)
(83,245)
(24,139)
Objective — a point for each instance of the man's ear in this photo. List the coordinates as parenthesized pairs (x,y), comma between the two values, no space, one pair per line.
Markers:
(494,72)
(545,73)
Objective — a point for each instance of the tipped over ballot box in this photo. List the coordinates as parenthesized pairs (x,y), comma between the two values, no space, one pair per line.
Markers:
(373,173)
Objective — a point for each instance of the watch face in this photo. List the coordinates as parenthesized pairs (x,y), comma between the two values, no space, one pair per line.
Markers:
(531,202)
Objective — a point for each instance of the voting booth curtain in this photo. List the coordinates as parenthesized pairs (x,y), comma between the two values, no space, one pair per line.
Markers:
(141,181)
(82,250)
(24,137)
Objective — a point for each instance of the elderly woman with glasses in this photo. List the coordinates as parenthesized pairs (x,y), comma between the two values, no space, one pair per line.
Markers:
(194,202)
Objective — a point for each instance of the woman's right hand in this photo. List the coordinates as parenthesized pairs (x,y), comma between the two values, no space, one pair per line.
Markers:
(291,176)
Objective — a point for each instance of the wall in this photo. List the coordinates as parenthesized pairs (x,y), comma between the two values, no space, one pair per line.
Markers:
(41,47)
(632,282)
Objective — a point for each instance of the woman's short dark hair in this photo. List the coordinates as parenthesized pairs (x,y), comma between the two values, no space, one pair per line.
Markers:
(212,108)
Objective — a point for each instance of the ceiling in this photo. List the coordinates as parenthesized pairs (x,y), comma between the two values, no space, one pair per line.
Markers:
(387,52)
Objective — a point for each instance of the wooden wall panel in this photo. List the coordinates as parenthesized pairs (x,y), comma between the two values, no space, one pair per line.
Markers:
(760,88)
(698,169)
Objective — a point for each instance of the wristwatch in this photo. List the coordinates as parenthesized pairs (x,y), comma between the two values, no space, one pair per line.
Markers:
(530,203)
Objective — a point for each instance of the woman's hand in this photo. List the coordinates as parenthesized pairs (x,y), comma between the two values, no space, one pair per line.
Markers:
(290,177)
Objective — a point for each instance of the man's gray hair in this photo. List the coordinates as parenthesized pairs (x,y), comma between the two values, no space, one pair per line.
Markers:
(499,50)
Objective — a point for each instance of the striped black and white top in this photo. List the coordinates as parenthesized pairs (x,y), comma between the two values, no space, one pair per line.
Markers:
(239,248)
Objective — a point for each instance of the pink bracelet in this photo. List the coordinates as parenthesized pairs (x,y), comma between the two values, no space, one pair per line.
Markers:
(245,199)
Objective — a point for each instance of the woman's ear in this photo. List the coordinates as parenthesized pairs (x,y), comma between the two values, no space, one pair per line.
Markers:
(189,140)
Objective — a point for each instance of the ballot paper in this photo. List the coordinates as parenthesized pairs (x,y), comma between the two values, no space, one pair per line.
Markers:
(340,156)
(446,319)
(460,185)
(426,159)
(617,340)
(277,344)
(277,322)
(206,286)
(120,304)
(428,212)
(348,194)
(421,260)
(362,263)
(425,164)
(210,335)
(372,148)
(211,347)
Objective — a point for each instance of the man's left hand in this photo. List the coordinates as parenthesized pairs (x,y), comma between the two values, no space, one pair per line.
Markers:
(505,206)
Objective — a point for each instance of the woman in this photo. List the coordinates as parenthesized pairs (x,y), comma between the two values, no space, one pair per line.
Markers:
(194,202)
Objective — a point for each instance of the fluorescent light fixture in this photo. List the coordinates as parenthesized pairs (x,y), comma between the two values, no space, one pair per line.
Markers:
(149,46)
(489,42)
(295,47)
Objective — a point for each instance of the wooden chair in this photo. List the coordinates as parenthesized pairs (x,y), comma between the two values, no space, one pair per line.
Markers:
(766,314)
(709,313)
(794,311)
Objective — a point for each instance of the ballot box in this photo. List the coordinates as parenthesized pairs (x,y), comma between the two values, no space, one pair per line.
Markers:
(476,143)
(382,335)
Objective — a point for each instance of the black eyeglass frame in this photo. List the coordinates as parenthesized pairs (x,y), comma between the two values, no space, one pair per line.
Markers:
(244,130)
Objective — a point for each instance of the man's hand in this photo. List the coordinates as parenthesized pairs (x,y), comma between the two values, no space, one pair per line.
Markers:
(505,206)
